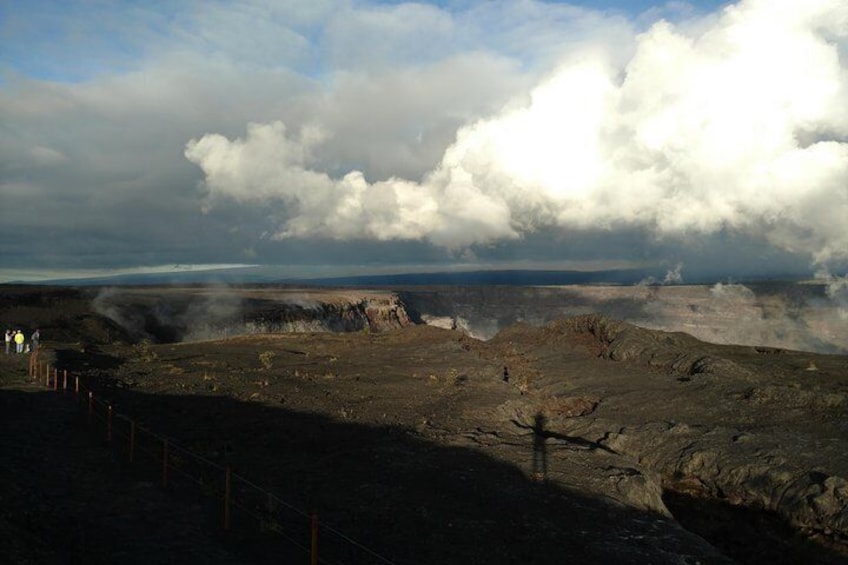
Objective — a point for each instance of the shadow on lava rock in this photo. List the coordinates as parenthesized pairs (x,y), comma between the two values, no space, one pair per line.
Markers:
(91,359)
(750,536)
(382,495)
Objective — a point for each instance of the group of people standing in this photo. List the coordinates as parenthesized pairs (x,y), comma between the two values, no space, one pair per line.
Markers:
(21,346)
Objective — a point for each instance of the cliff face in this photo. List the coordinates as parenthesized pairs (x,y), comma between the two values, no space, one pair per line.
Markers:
(787,316)
(807,317)
(372,313)
(193,314)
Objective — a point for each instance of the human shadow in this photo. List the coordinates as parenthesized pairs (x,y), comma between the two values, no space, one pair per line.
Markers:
(541,433)
(382,494)
(540,454)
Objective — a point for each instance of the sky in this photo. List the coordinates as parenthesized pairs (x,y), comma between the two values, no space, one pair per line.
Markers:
(707,138)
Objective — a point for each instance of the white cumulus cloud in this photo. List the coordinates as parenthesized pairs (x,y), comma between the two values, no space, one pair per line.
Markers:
(738,123)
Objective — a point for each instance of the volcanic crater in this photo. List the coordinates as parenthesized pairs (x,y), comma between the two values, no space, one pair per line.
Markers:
(586,439)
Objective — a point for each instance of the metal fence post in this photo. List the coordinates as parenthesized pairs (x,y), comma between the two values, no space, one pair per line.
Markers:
(165,463)
(314,538)
(132,440)
(227,499)
(109,424)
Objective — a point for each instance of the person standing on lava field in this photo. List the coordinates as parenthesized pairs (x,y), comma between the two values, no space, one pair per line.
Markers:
(8,341)
(34,339)
(19,342)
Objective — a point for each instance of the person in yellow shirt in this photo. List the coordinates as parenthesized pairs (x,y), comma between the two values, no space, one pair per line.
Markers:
(19,341)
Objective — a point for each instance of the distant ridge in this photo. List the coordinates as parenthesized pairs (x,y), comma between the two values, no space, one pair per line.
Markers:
(276,275)
(485,278)
(281,275)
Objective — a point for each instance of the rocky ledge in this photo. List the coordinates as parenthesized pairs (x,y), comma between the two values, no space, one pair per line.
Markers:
(758,430)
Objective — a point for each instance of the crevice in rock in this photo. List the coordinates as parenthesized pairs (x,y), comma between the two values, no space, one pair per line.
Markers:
(541,432)
(750,535)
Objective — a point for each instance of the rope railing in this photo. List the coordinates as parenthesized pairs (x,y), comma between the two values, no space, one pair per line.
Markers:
(243,504)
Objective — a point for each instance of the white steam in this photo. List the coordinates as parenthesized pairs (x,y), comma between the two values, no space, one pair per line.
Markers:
(672,276)
(836,289)
(804,318)
(739,122)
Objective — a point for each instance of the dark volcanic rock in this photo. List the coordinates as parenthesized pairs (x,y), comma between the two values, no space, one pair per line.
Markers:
(603,443)
(674,352)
